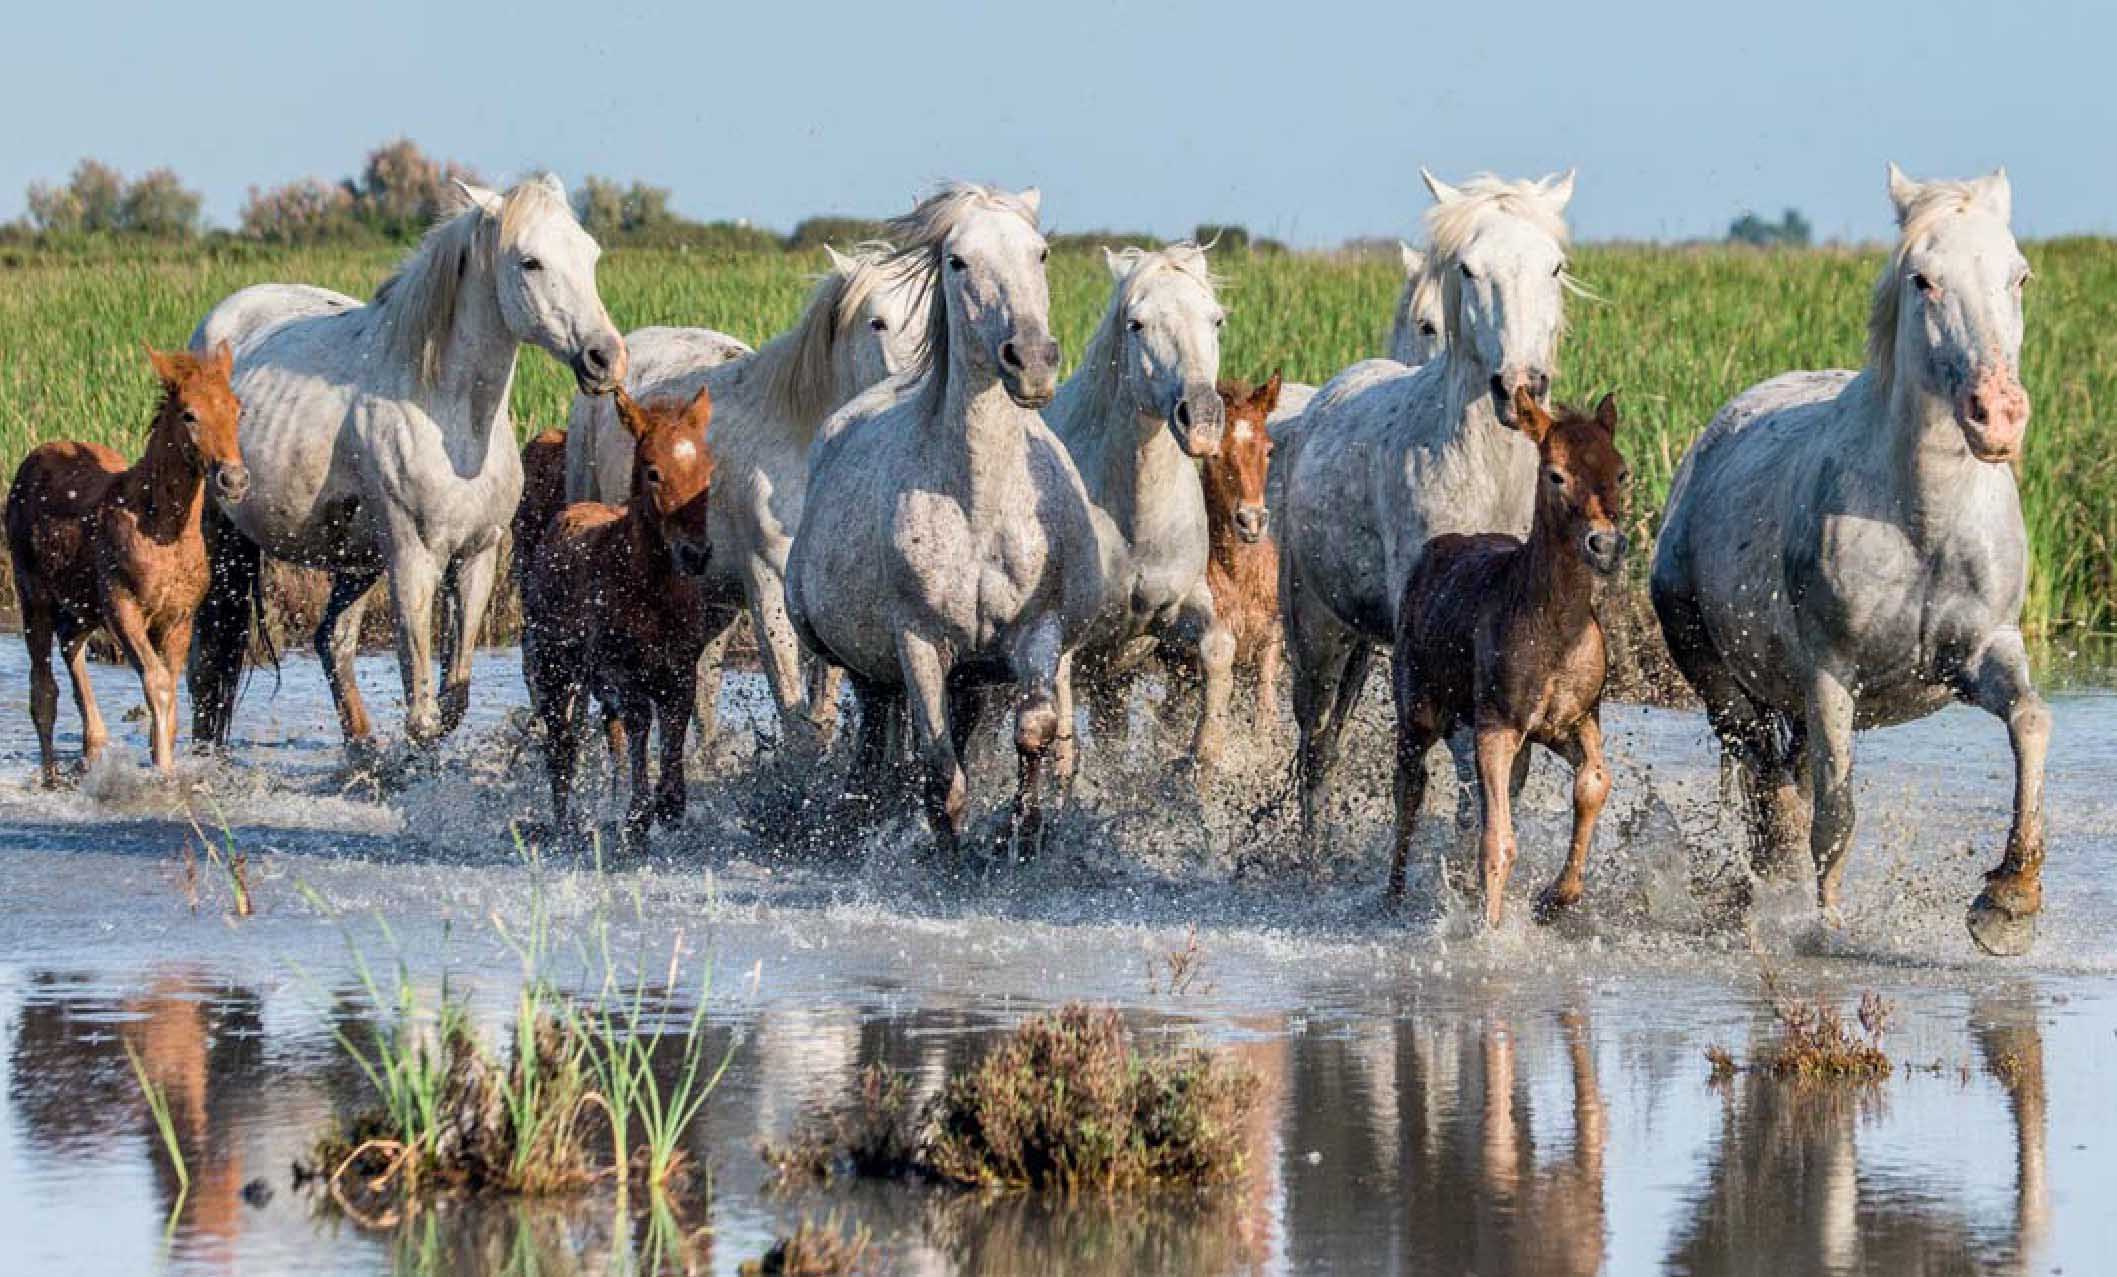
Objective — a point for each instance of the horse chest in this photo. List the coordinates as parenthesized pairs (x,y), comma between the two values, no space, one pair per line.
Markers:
(975,579)
(1904,617)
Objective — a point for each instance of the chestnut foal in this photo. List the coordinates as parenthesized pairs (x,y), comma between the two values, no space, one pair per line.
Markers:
(99,546)
(1502,633)
(1242,563)
(613,611)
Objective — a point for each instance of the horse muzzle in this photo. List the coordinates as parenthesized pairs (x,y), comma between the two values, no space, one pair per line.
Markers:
(1199,422)
(693,558)
(1604,550)
(599,366)
(231,483)
(1252,522)
(1993,413)
(1029,370)
(1504,384)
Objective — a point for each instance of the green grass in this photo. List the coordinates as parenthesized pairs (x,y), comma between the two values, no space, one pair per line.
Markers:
(1678,332)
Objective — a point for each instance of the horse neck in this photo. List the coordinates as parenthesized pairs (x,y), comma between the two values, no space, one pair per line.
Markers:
(977,437)
(646,551)
(1468,418)
(1129,462)
(1555,583)
(164,487)
(769,364)
(477,368)
(1918,450)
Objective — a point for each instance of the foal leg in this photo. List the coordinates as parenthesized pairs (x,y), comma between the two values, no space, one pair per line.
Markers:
(1591,788)
(1415,735)
(2003,917)
(43,690)
(946,794)
(127,625)
(638,712)
(672,710)
(472,591)
(73,643)
(337,641)
(1829,744)
(1497,744)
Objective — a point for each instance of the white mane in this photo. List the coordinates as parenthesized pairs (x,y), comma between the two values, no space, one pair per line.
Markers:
(417,303)
(921,234)
(1100,375)
(1930,204)
(803,383)
(1452,223)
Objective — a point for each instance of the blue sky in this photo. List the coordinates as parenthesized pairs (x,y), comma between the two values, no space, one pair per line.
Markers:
(1303,121)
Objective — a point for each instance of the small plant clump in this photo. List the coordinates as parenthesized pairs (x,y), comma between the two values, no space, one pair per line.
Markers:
(1066,1103)
(813,1250)
(1815,1043)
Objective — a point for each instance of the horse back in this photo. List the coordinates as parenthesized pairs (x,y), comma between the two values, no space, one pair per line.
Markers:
(50,520)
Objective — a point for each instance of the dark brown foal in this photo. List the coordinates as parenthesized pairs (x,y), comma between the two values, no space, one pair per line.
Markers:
(1502,634)
(1242,563)
(99,546)
(614,612)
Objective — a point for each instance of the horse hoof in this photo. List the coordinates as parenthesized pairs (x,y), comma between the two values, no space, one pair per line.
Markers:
(1552,903)
(1999,931)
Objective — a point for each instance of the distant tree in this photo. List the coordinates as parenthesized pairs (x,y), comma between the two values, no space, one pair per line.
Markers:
(841,232)
(1790,231)
(401,190)
(1228,238)
(159,204)
(303,211)
(607,209)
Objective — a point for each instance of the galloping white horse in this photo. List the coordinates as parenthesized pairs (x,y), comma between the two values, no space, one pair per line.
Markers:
(1134,416)
(863,323)
(1386,456)
(947,542)
(1417,329)
(1845,550)
(378,439)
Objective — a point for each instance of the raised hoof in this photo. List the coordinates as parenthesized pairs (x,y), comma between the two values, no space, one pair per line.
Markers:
(1554,901)
(2000,931)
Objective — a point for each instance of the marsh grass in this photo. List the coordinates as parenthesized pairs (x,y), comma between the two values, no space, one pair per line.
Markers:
(1678,330)
(157,1097)
(1814,1042)
(1065,1104)
(815,1250)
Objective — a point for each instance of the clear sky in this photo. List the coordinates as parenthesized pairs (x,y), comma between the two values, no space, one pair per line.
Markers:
(1306,121)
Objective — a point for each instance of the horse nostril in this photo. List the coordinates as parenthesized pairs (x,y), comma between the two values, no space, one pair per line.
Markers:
(1009,355)
(597,359)
(1499,388)
(1183,413)
(1977,409)
(1540,384)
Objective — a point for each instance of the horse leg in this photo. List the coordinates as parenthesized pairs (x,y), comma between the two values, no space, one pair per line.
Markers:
(778,651)
(946,794)
(223,628)
(874,745)
(1065,751)
(1591,788)
(637,709)
(561,702)
(1325,657)
(705,706)
(1214,644)
(471,589)
(1416,733)
(122,616)
(1320,759)
(37,633)
(176,649)
(1037,665)
(414,580)
(1829,746)
(673,706)
(823,680)
(1271,656)
(2003,917)
(337,641)
(1497,745)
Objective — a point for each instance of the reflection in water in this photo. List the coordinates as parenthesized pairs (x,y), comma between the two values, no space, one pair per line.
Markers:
(1786,1193)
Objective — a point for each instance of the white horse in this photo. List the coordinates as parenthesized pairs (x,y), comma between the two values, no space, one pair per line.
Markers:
(1845,550)
(378,440)
(1417,328)
(948,542)
(1386,456)
(863,323)
(1135,416)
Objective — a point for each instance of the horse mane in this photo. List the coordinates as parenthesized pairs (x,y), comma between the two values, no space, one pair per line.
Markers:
(418,301)
(1450,224)
(1099,373)
(920,235)
(1935,202)
(803,383)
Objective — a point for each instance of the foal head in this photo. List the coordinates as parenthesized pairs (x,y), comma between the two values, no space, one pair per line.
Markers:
(672,469)
(1234,476)
(199,414)
(1583,483)
(1947,309)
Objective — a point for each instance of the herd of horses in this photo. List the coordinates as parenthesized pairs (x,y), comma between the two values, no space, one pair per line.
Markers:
(903,492)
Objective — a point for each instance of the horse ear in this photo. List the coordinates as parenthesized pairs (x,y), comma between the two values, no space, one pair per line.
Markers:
(1996,194)
(840,263)
(1558,187)
(629,415)
(1117,263)
(1267,395)
(165,365)
(1033,200)
(698,414)
(554,184)
(1902,191)
(220,361)
(1529,415)
(1606,412)
(1441,191)
(478,196)
(1414,260)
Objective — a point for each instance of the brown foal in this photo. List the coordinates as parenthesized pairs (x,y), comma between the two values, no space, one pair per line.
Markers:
(1242,563)
(614,611)
(1502,633)
(99,546)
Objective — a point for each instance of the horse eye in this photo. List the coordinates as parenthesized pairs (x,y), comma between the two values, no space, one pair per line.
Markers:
(654,475)
(1558,270)
(1921,283)
(190,417)
(956,263)
(1133,326)
(1426,328)
(878,324)
(1044,256)
(1624,478)
(531,263)
(1557,480)
(1467,272)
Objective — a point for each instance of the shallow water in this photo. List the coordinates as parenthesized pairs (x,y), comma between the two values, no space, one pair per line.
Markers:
(1435,1098)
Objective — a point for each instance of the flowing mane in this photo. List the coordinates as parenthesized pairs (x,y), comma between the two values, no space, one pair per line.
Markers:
(921,234)
(1451,224)
(803,383)
(1099,374)
(1935,202)
(417,303)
